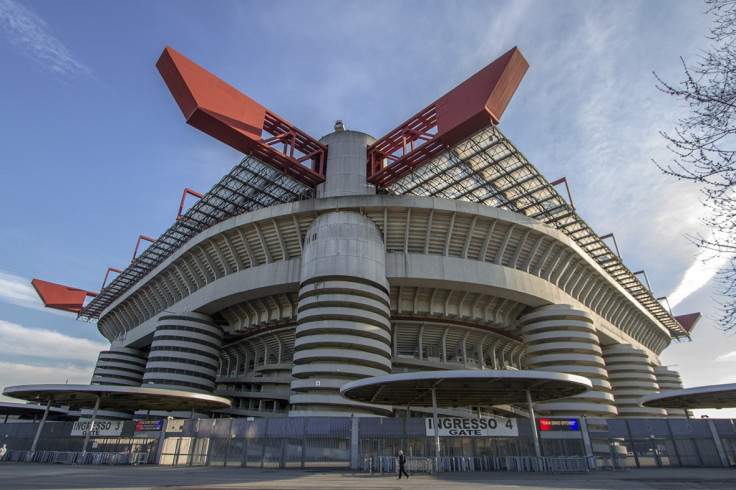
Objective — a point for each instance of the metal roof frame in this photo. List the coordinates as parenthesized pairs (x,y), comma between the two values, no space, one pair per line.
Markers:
(486,168)
(250,185)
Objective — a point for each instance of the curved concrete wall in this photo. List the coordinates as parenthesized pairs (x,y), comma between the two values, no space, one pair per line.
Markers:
(668,380)
(343,331)
(120,366)
(184,353)
(562,339)
(632,377)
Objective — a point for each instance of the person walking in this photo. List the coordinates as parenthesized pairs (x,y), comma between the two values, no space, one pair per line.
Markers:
(402,462)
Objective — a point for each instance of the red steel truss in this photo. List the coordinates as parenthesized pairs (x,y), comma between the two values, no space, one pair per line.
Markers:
(474,104)
(61,297)
(221,111)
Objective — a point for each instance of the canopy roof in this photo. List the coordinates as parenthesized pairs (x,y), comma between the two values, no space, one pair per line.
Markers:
(464,388)
(712,396)
(117,397)
(29,410)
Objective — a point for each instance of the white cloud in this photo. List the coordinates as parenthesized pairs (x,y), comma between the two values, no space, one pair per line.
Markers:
(729,357)
(706,265)
(30,35)
(15,374)
(46,344)
(17,290)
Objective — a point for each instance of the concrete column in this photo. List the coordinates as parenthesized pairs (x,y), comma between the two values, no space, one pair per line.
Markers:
(632,377)
(561,339)
(184,353)
(343,330)
(120,366)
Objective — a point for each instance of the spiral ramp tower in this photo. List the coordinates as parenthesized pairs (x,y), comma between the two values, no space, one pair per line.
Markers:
(562,339)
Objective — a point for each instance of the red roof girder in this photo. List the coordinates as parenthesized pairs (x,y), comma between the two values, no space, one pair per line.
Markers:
(219,110)
(474,104)
(61,297)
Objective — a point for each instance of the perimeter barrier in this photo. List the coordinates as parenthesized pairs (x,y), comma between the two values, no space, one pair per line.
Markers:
(371,444)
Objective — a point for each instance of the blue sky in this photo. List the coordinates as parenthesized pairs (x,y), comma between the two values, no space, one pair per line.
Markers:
(95,152)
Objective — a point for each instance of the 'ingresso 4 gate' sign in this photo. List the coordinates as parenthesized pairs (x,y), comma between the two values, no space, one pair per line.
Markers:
(486,426)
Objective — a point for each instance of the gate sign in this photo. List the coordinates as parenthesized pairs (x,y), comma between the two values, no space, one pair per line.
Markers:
(558,424)
(486,427)
(103,428)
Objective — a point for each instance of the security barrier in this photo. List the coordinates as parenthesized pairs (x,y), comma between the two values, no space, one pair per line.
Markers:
(371,444)
(72,457)
(567,465)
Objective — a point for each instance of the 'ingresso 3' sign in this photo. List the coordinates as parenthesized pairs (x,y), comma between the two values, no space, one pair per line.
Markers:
(104,428)
(486,426)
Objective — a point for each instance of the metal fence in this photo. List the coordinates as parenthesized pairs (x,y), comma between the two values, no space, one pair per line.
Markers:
(371,443)
(72,457)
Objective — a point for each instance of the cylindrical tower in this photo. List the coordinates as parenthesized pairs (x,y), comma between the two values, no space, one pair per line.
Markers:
(562,339)
(632,377)
(345,172)
(120,366)
(184,353)
(343,331)
(669,380)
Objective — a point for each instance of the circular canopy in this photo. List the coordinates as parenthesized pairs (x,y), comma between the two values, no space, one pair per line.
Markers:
(117,397)
(464,388)
(713,396)
(29,410)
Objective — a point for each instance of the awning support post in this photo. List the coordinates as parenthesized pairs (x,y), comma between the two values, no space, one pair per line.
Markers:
(91,424)
(40,426)
(436,430)
(533,419)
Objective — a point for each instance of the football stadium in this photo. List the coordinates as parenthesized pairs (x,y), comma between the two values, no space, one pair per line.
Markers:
(323,286)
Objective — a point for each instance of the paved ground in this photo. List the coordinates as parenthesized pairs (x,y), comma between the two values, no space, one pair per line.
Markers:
(42,476)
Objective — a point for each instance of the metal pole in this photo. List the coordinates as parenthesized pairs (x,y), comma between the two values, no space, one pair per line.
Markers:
(436,430)
(91,424)
(533,419)
(40,426)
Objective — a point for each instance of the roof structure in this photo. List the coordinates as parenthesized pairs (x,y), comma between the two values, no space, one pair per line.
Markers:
(61,297)
(452,149)
(221,111)
(488,169)
(464,388)
(712,396)
(248,186)
(117,397)
(31,410)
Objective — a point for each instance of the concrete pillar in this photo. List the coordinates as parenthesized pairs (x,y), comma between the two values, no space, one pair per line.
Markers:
(184,353)
(561,339)
(632,377)
(343,330)
(120,366)
(669,380)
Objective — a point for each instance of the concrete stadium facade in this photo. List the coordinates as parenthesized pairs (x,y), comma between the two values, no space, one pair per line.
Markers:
(279,307)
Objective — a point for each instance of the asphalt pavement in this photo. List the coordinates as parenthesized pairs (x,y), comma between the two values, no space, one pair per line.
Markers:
(44,476)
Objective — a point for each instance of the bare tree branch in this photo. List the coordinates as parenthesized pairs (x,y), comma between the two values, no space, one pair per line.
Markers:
(704,144)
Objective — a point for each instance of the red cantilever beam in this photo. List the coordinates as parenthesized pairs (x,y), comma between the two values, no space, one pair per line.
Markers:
(184,196)
(61,297)
(474,104)
(221,111)
(138,243)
